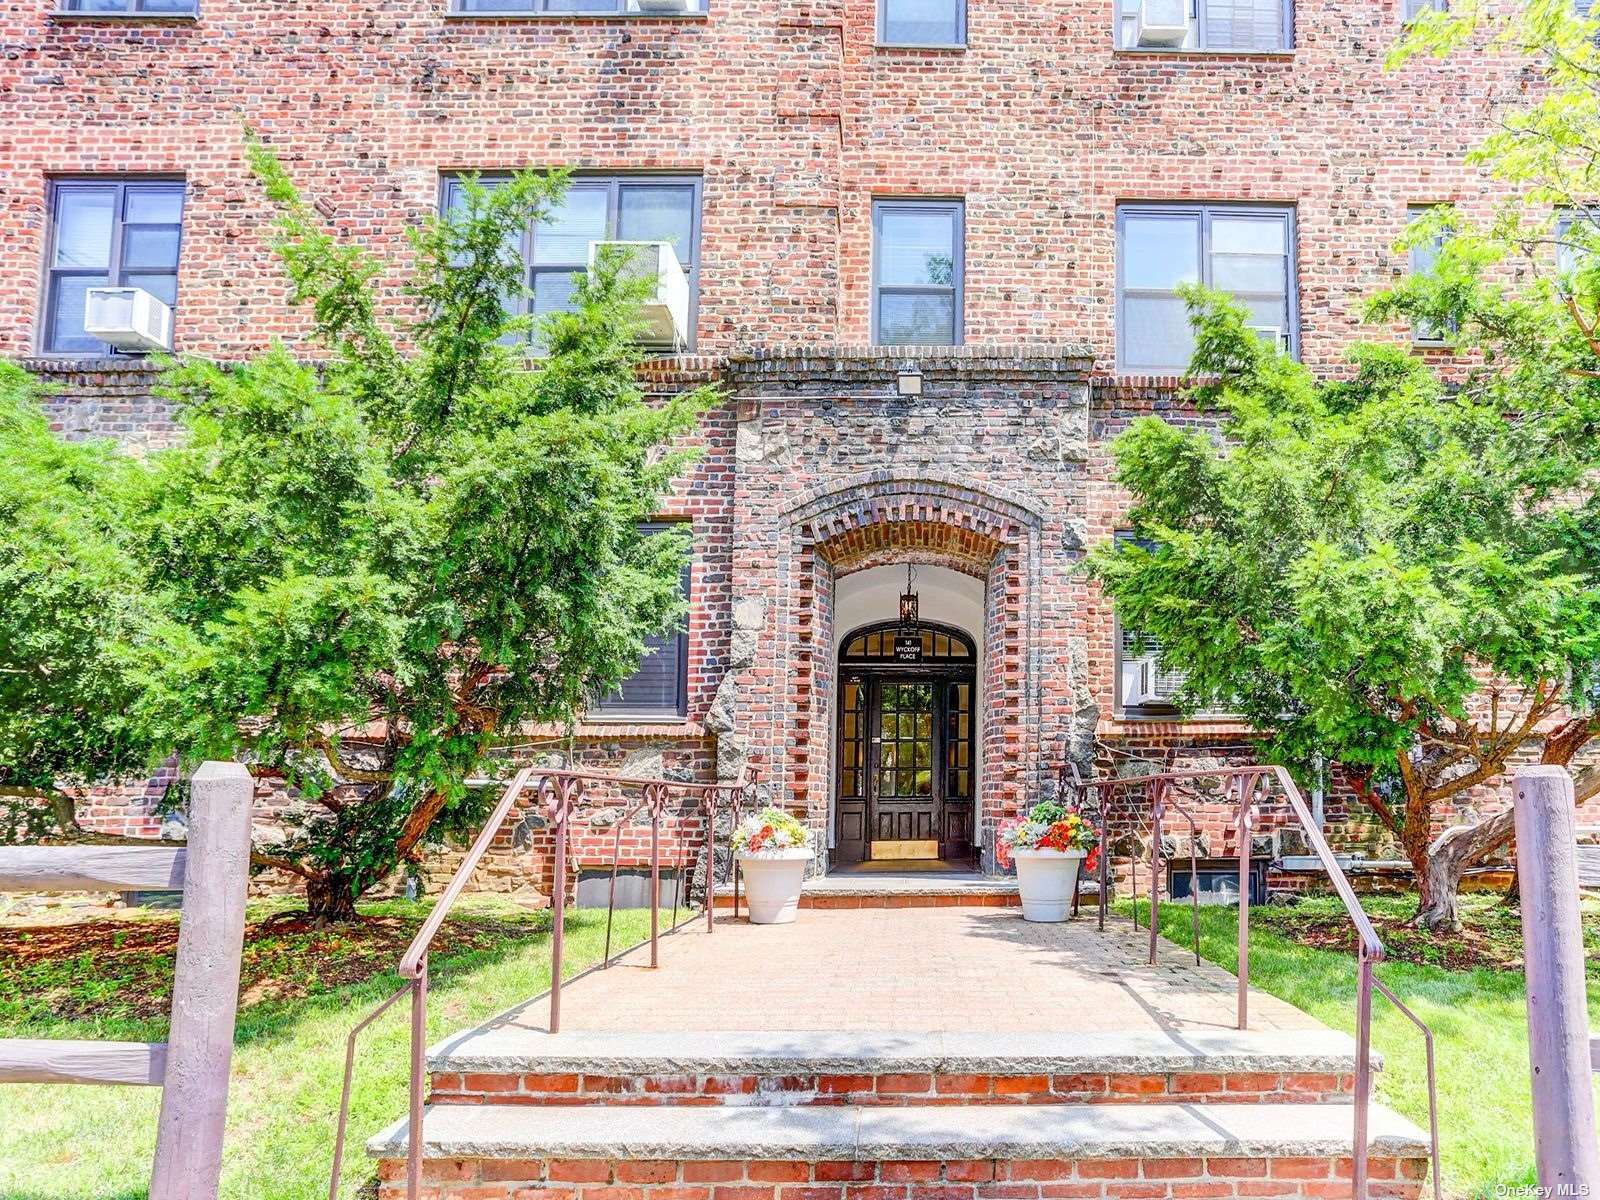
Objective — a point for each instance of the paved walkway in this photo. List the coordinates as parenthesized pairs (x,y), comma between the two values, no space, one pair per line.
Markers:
(909,969)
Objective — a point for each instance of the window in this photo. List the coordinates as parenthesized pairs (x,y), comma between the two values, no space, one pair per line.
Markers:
(129,8)
(1410,10)
(916,272)
(922,22)
(1424,261)
(1211,25)
(107,232)
(1574,243)
(660,687)
(626,208)
(1143,687)
(514,8)
(1246,251)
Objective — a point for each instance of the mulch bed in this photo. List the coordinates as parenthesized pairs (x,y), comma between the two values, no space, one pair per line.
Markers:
(122,969)
(1490,940)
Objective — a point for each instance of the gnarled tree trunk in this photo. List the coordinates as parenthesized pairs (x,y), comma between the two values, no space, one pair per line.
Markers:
(1439,879)
(331,897)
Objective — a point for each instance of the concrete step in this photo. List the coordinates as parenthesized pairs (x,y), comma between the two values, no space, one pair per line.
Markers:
(509,1064)
(994,1152)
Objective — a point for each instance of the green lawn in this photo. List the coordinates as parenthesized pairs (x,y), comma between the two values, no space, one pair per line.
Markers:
(1478,1018)
(91,1142)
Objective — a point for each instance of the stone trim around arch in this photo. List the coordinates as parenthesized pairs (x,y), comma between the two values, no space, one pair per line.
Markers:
(880,520)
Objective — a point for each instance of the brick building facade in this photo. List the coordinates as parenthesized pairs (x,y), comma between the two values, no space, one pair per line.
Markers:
(1037,177)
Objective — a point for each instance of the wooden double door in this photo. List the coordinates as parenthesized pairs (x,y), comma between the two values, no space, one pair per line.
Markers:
(906,739)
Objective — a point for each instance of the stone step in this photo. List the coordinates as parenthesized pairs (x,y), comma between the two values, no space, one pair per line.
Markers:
(995,1152)
(508,1064)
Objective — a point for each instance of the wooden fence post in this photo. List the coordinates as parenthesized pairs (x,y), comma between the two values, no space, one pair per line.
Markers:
(1565,1153)
(205,998)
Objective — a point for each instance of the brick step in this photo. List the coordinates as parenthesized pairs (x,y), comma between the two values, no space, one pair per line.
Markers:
(512,1065)
(1000,895)
(995,1152)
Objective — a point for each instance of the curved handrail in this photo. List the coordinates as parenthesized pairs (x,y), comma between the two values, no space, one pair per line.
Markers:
(1241,785)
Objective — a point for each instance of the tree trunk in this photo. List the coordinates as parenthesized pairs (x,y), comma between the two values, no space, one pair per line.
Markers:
(331,897)
(1457,850)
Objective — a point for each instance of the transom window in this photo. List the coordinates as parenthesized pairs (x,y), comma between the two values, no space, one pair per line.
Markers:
(604,208)
(1245,251)
(107,232)
(128,8)
(922,22)
(651,8)
(1204,24)
(660,687)
(878,645)
(916,272)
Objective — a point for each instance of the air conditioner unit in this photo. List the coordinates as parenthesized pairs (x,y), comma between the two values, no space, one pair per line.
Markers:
(1144,682)
(1161,23)
(128,318)
(666,310)
(1272,335)
(663,6)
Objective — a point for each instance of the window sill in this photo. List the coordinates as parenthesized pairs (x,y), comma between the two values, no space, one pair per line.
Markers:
(1145,722)
(935,47)
(579,17)
(132,18)
(1178,52)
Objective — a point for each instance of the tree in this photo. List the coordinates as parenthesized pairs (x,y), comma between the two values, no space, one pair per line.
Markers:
(1394,574)
(78,631)
(1546,156)
(386,563)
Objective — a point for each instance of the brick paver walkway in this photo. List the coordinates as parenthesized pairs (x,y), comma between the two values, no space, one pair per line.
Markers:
(915,969)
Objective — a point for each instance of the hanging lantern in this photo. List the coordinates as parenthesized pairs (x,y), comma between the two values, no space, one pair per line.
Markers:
(909,603)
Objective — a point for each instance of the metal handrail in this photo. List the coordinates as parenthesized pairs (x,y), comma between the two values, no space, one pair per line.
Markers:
(1242,786)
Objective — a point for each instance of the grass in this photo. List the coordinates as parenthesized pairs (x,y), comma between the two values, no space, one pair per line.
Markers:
(1478,1017)
(303,989)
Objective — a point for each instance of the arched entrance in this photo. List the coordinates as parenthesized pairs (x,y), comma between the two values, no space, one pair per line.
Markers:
(906,743)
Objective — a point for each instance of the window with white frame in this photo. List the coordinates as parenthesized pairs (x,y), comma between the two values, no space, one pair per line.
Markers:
(1247,251)
(1238,25)
(1576,237)
(916,272)
(629,208)
(1410,10)
(659,689)
(922,22)
(107,232)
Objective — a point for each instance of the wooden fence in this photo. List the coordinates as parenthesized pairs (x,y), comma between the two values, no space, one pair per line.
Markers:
(191,1067)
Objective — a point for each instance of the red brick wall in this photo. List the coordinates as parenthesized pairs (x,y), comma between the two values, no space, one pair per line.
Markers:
(791,114)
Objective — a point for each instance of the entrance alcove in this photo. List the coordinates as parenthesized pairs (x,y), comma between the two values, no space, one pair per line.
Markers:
(908,707)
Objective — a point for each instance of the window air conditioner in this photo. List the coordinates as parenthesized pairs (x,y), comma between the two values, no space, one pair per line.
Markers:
(666,310)
(1144,682)
(662,6)
(1162,23)
(1272,335)
(128,318)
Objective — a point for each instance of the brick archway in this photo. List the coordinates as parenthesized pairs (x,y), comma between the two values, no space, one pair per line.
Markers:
(878,521)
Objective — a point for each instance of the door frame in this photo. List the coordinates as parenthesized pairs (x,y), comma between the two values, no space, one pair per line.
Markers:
(854,815)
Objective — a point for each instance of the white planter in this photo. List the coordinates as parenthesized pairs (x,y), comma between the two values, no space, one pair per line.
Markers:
(772,882)
(1047,879)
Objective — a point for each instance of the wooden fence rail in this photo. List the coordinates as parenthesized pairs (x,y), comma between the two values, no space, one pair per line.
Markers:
(192,1067)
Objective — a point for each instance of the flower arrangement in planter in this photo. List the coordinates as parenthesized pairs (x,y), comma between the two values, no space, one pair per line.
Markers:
(1048,846)
(772,849)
